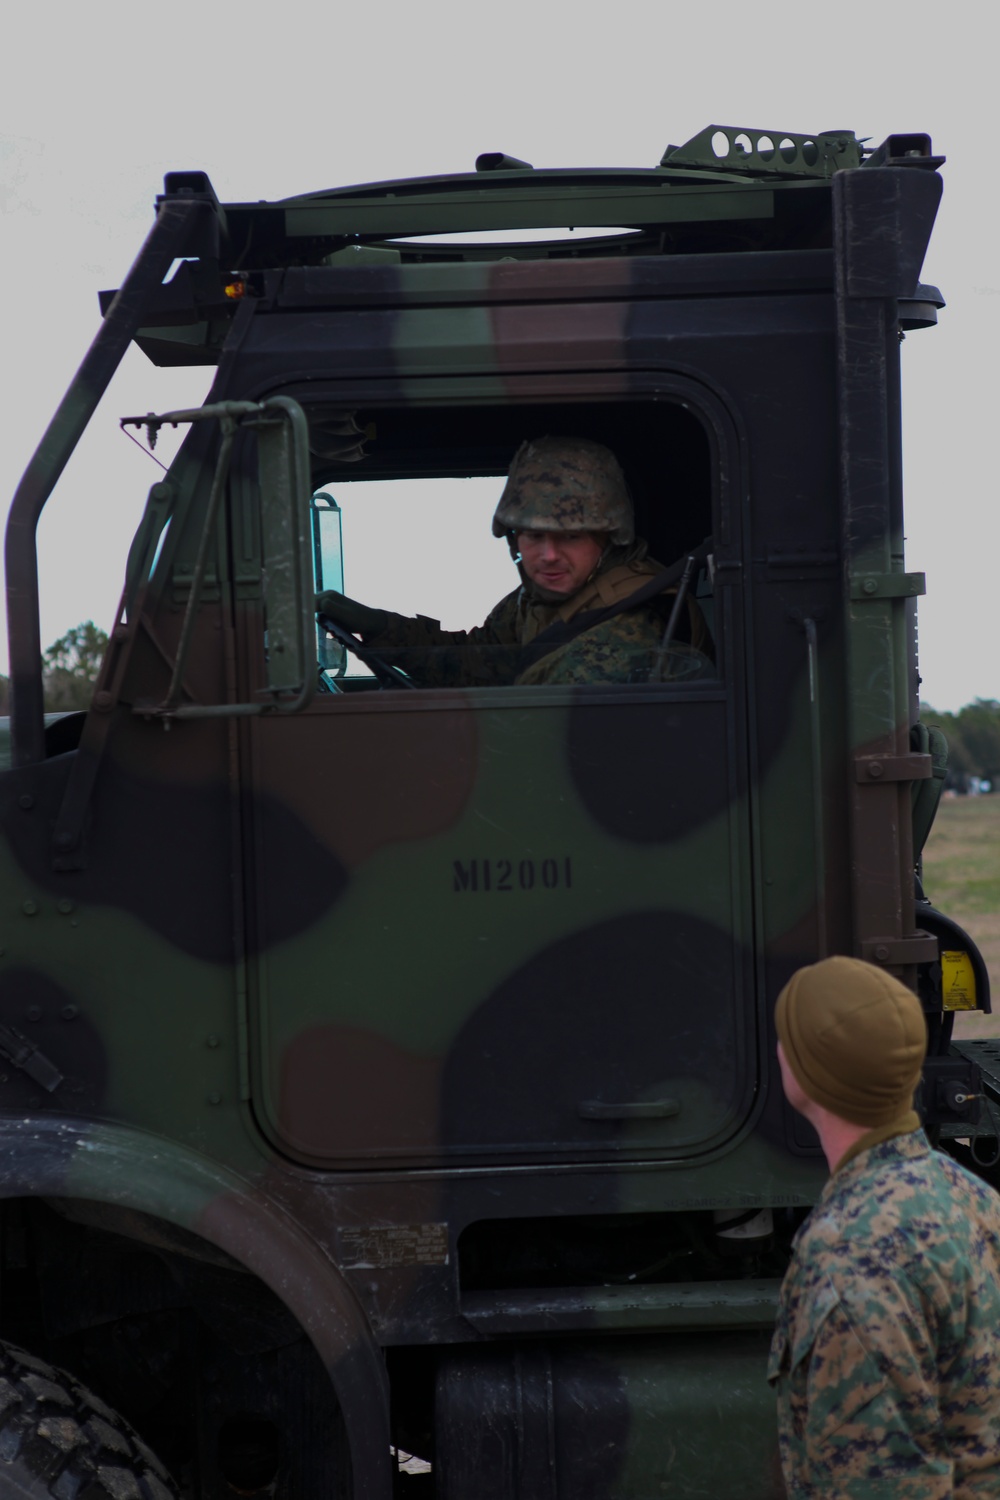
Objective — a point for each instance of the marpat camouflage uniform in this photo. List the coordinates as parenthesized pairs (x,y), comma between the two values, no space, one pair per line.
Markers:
(625,648)
(885,1352)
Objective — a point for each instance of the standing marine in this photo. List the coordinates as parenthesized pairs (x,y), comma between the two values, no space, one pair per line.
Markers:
(591,606)
(884,1355)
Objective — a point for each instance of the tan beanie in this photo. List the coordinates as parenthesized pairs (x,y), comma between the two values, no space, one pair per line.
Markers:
(854,1037)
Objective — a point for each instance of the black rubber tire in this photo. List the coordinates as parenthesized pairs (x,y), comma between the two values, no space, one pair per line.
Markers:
(59,1442)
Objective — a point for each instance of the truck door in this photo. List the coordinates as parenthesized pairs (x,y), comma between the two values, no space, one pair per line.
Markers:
(508,923)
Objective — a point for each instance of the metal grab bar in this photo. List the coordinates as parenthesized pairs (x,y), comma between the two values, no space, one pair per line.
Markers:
(816,758)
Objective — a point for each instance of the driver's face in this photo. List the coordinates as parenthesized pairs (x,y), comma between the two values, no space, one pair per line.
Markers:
(560,561)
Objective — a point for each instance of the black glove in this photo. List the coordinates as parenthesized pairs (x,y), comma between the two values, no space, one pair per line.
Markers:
(349,613)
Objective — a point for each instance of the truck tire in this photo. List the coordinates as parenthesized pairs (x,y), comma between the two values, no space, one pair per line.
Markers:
(59,1441)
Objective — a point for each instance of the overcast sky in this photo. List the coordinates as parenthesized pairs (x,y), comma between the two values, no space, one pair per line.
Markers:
(98,101)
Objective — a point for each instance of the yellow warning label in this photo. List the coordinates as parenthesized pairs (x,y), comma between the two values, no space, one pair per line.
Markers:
(958,981)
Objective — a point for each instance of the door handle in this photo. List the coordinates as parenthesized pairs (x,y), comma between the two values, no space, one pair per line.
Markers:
(636,1109)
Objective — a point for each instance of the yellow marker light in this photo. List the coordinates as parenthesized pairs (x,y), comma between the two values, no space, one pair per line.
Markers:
(958,981)
(235,289)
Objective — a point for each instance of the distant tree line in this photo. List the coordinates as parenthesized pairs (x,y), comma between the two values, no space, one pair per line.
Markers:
(70,667)
(69,670)
(973,736)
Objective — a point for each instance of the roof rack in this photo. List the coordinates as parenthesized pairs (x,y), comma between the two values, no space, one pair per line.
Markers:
(768,153)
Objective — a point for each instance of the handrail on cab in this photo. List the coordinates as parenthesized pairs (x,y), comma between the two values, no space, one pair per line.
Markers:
(179,228)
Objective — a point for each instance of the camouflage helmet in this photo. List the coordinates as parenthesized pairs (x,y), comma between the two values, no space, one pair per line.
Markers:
(565,484)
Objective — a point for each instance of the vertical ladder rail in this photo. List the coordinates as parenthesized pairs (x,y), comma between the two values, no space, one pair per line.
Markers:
(882,223)
(177,223)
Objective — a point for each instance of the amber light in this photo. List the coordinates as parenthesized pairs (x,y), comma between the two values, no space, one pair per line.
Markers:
(235,289)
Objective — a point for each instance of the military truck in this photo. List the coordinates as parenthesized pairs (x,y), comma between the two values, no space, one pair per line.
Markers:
(388,1091)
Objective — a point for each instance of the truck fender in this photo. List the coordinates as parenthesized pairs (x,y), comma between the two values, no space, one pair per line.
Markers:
(65,1158)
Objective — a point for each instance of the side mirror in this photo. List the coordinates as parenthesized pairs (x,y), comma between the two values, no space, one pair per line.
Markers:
(328,572)
(283,470)
(284,488)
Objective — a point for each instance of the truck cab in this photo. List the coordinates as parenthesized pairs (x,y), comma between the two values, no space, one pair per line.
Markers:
(389,1099)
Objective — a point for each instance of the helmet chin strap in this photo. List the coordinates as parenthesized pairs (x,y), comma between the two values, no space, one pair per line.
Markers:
(599,564)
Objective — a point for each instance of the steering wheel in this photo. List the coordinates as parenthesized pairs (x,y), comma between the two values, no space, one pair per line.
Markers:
(385,674)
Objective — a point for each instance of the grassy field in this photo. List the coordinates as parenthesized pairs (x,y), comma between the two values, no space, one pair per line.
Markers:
(962,878)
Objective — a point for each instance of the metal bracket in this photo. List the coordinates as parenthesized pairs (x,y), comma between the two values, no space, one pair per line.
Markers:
(919,948)
(905,151)
(888,585)
(869,768)
(17,1049)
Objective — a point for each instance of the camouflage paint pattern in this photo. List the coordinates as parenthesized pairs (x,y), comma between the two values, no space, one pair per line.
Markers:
(884,1351)
(347,991)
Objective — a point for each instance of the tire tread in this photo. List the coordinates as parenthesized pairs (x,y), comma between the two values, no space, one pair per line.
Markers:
(57,1438)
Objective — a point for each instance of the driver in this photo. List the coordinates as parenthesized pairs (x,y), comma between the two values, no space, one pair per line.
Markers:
(567,516)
